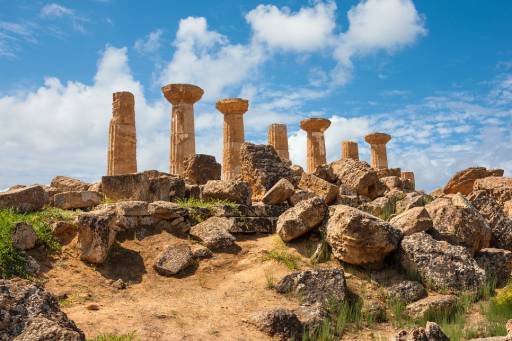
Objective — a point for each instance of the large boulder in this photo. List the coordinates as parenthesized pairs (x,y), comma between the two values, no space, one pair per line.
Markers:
(261,168)
(30,313)
(74,200)
(497,264)
(229,190)
(199,168)
(301,218)
(96,234)
(458,222)
(411,221)
(146,186)
(440,265)
(213,233)
(499,187)
(499,223)
(23,236)
(323,189)
(24,199)
(315,287)
(67,184)
(174,259)
(357,237)
(359,177)
(279,193)
(462,182)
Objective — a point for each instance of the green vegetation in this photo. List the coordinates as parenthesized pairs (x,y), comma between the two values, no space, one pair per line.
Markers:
(113,337)
(12,261)
(196,207)
(281,255)
(269,277)
(324,254)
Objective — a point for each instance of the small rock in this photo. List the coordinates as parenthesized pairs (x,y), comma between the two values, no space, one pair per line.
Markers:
(408,291)
(411,221)
(300,219)
(230,190)
(119,284)
(93,307)
(201,252)
(280,192)
(213,233)
(323,189)
(174,259)
(23,236)
(444,303)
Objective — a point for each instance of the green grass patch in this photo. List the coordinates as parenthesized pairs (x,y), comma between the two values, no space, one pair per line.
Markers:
(114,337)
(284,257)
(196,206)
(13,261)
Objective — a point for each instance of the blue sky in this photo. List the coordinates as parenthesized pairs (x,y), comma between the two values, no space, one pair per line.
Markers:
(436,75)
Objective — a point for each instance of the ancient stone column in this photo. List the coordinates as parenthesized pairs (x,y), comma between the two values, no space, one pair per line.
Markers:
(378,142)
(183,142)
(278,138)
(315,128)
(409,176)
(233,110)
(349,150)
(122,140)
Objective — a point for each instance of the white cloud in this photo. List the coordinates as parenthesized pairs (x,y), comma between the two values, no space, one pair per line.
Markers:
(207,58)
(12,34)
(150,43)
(308,29)
(54,10)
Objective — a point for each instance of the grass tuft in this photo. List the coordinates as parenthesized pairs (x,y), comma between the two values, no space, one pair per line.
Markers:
(284,257)
(114,337)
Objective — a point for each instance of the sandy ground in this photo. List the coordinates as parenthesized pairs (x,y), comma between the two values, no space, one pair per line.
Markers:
(210,302)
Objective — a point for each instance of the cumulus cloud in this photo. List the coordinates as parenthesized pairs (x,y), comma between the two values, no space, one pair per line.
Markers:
(207,58)
(61,128)
(150,43)
(309,29)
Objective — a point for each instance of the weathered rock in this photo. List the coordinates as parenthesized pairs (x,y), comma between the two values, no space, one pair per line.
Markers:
(411,221)
(50,193)
(411,200)
(357,237)
(260,209)
(25,199)
(407,291)
(375,310)
(440,265)
(299,196)
(281,323)
(387,172)
(297,170)
(325,172)
(380,207)
(279,193)
(507,208)
(75,200)
(492,211)
(64,231)
(392,182)
(30,313)
(201,252)
(213,233)
(67,184)
(349,200)
(249,225)
(23,236)
(497,264)
(262,168)
(431,332)
(323,189)
(358,176)
(440,303)
(174,259)
(193,191)
(132,208)
(315,287)
(301,218)
(462,182)
(95,187)
(200,168)
(146,186)
(499,187)
(458,222)
(230,190)
(96,234)
(166,210)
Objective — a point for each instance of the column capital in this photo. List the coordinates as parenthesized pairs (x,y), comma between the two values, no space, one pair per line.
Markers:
(232,106)
(315,124)
(178,93)
(377,138)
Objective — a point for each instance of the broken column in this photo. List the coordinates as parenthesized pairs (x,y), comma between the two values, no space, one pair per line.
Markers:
(122,140)
(278,138)
(349,150)
(409,177)
(315,128)
(233,110)
(378,142)
(183,143)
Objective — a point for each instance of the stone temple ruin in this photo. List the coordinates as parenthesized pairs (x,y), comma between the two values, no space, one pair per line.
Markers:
(122,157)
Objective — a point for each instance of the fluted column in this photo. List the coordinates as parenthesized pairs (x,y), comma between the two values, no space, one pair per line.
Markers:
(378,142)
(233,110)
(316,154)
(122,139)
(278,138)
(349,150)
(183,142)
